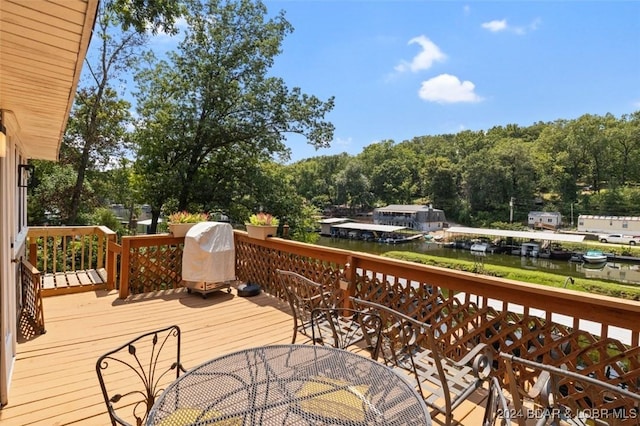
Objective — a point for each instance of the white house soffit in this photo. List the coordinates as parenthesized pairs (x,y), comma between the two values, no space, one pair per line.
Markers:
(42,48)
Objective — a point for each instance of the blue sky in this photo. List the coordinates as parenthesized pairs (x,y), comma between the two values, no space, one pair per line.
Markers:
(400,69)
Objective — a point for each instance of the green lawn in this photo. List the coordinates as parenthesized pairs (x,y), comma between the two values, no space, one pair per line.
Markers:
(625,291)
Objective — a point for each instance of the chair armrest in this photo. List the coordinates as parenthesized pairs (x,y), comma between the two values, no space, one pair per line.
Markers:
(480,358)
(542,386)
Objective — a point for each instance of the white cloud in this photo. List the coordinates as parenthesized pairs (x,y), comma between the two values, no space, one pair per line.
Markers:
(429,54)
(448,89)
(495,26)
(342,141)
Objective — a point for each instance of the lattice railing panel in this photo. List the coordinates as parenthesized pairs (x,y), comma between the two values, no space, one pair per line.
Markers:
(155,268)
(32,313)
(257,263)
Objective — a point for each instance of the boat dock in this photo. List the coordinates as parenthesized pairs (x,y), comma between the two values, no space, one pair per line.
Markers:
(338,228)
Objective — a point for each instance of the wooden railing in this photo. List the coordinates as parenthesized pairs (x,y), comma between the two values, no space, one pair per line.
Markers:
(31,313)
(596,335)
(153,262)
(64,249)
(149,263)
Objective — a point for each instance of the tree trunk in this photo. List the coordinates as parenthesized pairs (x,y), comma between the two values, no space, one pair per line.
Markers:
(77,189)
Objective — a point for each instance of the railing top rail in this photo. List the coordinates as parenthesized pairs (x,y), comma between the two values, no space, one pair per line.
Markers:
(106,231)
(137,241)
(58,231)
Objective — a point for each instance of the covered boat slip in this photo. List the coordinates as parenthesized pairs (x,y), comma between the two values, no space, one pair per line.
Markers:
(525,235)
(370,231)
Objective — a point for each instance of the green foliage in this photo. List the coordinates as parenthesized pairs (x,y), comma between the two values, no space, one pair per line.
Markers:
(105,217)
(508,226)
(473,175)
(263,219)
(145,15)
(226,114)
(306,223)
(186,217)
(48,200)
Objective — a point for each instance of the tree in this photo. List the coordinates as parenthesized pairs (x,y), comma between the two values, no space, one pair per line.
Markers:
(48,201)
(352,185)
(97,124)
(214,96)
(392,172)
(147,15)
(624,137)
(442,179)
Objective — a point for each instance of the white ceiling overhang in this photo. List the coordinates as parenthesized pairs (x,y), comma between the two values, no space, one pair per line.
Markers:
(42,48)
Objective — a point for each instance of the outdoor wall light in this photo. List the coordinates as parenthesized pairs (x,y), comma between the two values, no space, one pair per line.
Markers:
(25,175)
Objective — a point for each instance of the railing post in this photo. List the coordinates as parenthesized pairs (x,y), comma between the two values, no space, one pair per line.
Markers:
(33,251)
(124,268)
(100,257)
(113,249)
(348,285)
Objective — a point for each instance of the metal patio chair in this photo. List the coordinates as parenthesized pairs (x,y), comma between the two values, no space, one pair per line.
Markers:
(497,409)
(550,395)
(343,328)
(409,345)
(133,375)
(303,296)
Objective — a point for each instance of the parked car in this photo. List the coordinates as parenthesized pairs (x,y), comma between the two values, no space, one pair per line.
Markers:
(619,239)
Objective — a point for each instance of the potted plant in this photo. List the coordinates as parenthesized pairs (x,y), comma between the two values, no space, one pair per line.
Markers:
(181,222)
(262,225)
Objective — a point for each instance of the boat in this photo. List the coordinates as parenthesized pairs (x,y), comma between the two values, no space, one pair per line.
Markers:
(560,253)
(576,257)
(530,249)
(594,256)
(479,247)
(400,238)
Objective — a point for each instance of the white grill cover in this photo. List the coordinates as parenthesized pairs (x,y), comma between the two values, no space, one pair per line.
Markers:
(209,253)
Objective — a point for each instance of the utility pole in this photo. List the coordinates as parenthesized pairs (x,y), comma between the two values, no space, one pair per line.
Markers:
(572,215)
(511,210)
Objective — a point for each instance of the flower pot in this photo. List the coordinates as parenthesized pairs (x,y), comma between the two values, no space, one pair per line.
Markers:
(261,232)
(180,229)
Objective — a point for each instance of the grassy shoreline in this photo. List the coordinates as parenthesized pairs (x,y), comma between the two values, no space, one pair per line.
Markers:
(608,288)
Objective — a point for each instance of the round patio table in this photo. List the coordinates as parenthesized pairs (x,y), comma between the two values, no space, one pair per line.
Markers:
(290,385)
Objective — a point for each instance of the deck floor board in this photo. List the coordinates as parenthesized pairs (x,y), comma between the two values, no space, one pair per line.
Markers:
(73,282)
(54,380)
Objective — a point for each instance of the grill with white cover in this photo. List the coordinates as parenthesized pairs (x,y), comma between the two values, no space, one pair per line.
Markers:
(208,259)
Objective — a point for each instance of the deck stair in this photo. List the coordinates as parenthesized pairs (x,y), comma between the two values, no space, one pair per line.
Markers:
(74,282)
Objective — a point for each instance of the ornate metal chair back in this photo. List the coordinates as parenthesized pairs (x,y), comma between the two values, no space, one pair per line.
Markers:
(409,344)
(303,296)
(554,395)
(346,328)
(133,375)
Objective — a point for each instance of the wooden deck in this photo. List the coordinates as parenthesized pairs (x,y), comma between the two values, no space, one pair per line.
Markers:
(54,380)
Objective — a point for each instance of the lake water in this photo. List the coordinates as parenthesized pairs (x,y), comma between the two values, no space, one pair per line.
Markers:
(613,271)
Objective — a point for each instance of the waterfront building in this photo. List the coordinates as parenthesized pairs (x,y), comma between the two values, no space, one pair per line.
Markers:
(545,220)
(629,225)
(416,217)
(327,223)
